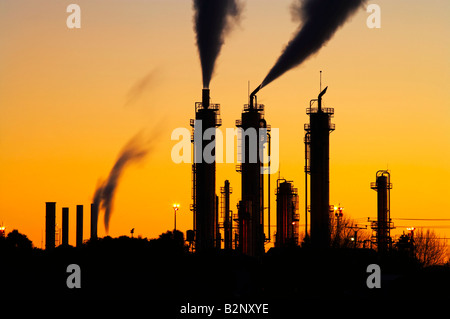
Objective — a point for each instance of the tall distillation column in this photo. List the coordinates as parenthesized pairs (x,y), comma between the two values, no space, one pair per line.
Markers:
(317,139)
(383,224)
(207,118)
(251,207)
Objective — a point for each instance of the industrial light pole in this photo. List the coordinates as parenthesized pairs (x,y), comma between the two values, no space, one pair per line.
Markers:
(175,208)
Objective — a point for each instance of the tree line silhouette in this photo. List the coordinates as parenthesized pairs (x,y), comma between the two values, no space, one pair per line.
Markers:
(163,268)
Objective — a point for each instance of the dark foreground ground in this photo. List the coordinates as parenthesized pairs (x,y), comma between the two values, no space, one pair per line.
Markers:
(126,268)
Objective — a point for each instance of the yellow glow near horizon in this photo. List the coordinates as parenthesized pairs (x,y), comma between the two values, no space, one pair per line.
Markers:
(64,111)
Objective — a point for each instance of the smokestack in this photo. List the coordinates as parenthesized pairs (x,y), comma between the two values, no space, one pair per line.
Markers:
(65,226)
(251,206)
(205,98)
(79,225)
(94,221)
(382,226)
(204,175)
(50,217)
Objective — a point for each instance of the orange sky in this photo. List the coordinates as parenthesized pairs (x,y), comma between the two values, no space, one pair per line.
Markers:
(64,114)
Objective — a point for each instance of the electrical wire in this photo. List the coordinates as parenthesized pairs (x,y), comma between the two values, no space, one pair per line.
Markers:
(431,219)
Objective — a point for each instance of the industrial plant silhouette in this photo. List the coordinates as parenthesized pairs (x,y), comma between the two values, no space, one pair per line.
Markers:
(224,255)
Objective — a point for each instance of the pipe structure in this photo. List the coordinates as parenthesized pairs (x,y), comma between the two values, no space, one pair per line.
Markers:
(253,97)
(319,99)
(245,230)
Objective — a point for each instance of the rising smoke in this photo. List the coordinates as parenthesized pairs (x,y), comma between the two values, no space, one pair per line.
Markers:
(321,19)
(141,86)
(213,20)
(134,151)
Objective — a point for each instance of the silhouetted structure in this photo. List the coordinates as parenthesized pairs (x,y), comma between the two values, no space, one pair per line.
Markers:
(317,139)
(227,215)
(79,225)
(287,214)
(94,221)
(207,118)
(383,224)
(251,206)
(65,226)
(50,224)
(218,237)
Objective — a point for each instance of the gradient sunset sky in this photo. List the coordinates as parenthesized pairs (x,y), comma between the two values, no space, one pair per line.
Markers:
(68,104)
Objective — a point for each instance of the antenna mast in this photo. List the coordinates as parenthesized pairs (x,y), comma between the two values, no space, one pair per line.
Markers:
(320,87)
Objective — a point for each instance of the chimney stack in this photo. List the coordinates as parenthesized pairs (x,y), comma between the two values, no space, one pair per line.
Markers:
(94,221)
(317,146)
(204,175)
(205,98)
(79,225)
(251,206)
(65,226)
(50,216)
